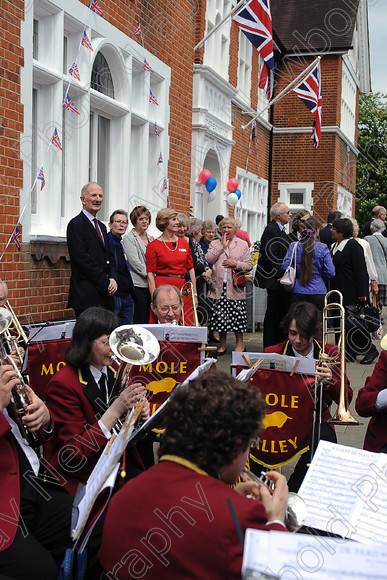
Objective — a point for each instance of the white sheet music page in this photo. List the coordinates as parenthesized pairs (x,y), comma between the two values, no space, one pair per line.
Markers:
(345,490)
(291,556)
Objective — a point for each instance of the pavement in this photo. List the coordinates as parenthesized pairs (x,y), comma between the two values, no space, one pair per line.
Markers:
(350,435)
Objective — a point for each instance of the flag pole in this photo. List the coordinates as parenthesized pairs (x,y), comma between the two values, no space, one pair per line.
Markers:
(281,94)
(207,36)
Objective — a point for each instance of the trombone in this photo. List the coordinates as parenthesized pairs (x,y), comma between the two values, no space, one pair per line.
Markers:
(333,311)
(19,336)
(188,291)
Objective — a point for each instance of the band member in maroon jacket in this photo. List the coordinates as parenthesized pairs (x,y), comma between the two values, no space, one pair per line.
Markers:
(372,402)
(302,323)
(173,521)
(83,401)
(35,511)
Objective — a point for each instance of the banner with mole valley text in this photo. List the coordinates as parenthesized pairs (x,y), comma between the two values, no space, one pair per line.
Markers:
(176,361)
(44,360)
(287,427)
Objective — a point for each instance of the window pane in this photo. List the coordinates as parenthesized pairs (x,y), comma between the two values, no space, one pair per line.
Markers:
(35,39)
(33,151)
(103,161)
(101,77)
(296,198)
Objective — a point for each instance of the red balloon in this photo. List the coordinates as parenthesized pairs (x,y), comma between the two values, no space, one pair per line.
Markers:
(232,184)
(204,175)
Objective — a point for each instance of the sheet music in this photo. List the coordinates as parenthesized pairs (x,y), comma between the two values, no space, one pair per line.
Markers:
(199,370)
(175,332)
(345,490)
(246,374)
(290,556)
(278,362)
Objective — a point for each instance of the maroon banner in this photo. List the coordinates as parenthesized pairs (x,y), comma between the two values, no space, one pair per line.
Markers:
(45,358)
(288,423)
(176,361)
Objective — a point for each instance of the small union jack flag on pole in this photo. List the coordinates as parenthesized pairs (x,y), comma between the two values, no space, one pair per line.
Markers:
(160,160)
(147,66)
(69,105)
(86,41)
(40,176)
(152,99)
(254,19)
(164,185)
(16,238)
(138,31)
(157,130)
(95,7)
(74,71)
(309,91)
(55,139)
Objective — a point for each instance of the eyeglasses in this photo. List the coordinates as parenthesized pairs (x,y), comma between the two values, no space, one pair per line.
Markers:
(104,343)
(288,212)
(120,222)
(165,309)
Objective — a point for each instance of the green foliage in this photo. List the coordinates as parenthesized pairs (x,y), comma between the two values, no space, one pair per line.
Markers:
(371,174)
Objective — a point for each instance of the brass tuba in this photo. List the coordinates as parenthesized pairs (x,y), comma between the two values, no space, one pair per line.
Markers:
(20,398)
(334,311)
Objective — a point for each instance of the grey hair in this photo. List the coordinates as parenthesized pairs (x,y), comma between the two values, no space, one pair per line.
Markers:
(5,287)
(377,226)
(355,227)
(276,209)
(229,220)
(182,218)
(195,227)
(208,225)
(84,188)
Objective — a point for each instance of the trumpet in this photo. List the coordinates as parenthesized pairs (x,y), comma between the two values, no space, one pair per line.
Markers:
(20,398)
(296,509)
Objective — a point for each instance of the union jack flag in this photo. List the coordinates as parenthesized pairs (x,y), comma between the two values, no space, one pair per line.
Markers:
(254,19)
(147,66)
(74,71)
(55,139)
(86,41)
(152,99)
(160,160)
(309,91)
(69,105)
(164,185)
(95,7)
(157,130)
(40,176)
(138,31)
(16,238)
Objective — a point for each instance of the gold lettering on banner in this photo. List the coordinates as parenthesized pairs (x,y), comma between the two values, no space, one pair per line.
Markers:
(270,446)
(47,371)
(291,401)
(162,367)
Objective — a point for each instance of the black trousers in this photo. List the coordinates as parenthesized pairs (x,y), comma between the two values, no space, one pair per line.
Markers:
(37,551)
(278,302)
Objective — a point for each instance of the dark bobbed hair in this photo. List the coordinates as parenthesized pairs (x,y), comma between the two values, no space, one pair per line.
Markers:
(137,212)
(218,218)
(334,215)
(92,323)
(210,420)
(308,319)
(344,226)
(297,221)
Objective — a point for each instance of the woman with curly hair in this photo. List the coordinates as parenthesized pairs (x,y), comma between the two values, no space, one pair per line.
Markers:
(314,265)
(178,509)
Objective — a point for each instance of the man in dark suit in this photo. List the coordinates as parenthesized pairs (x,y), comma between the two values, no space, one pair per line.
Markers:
(378,213)
(93,275)
(325,235)
(274,245)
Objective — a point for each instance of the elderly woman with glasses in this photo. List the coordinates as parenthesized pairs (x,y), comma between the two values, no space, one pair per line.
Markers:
(85,401)
(228,255)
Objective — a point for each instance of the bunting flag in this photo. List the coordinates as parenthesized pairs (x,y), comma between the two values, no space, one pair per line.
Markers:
(16,238)
(69,105)
(160,160)
(253,139)
(74,71)
(147,66)
(254,19)
(157,130)
(164,185)
(55,140)
(40,176)
(86,41)
(95,7)
(152,99)
(309,91)
(138,31)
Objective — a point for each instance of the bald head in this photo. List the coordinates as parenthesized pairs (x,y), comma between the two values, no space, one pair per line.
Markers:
(167,303)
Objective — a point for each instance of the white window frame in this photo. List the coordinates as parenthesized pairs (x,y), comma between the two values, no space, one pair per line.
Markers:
(286,188)
(245,55)
(344,201)
(133,176)
(348,101)
(217,47)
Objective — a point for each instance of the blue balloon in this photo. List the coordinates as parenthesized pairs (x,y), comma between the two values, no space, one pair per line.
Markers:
(238,193)
(210,184)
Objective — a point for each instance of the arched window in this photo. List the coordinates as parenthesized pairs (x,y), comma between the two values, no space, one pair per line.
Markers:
(101,77)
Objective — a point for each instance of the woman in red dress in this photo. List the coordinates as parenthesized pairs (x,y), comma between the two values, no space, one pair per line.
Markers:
(169,258)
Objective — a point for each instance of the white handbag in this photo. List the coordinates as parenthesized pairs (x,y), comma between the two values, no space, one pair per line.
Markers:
(289,278)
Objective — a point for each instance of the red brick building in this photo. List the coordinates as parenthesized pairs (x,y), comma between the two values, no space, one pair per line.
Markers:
(204,98)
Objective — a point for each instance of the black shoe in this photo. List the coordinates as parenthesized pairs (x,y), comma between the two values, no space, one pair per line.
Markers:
(370,357)
(222,352)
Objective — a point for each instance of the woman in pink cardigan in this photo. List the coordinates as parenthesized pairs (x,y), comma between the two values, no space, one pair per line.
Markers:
(229,301)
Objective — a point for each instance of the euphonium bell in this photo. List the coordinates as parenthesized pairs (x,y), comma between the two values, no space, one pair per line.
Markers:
(134,344)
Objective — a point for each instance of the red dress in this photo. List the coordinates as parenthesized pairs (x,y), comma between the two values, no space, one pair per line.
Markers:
(170,262)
